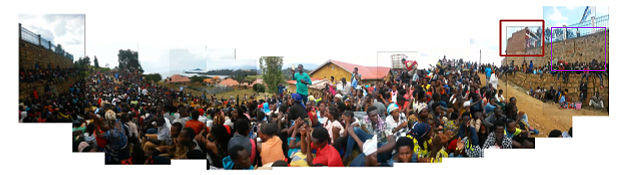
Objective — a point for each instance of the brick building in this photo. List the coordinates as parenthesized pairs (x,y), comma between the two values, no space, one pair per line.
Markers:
(522,40)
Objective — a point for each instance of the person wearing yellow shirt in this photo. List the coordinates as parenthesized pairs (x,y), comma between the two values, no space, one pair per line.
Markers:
(519,137)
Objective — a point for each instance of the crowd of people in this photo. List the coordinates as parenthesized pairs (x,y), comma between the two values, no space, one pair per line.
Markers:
(415,116)
(51,74)
(134,121)
(50,106)
(561,96)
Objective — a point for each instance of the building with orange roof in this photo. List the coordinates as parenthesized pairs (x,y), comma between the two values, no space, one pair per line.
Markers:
(178,79)
(229,82)
(340,69)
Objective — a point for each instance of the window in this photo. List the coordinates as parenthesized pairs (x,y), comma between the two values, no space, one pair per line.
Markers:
(333,67)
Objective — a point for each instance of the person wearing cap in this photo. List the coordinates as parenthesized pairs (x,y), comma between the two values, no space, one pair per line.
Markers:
(421,135)
(397,121)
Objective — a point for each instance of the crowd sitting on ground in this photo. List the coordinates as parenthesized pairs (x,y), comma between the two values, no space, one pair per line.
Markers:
(415,116)
(134,121)
(51,107)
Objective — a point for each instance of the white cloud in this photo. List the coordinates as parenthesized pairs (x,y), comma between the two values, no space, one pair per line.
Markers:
(556,15)
(67,30)
(571,7)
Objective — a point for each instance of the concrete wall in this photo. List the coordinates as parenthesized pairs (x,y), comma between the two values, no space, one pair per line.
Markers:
(582,49)
(527,81)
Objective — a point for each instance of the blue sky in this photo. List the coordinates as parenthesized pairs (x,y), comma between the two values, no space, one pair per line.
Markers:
(556,16)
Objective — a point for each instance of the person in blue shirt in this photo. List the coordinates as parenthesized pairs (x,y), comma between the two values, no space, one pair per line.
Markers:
(488,74)
(490,106)
(281,88)
(303,80)
(531,65)
(355,77)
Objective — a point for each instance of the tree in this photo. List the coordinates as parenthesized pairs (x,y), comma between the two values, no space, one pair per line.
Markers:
(153,77)
(87,61)
(259,88)
(271,67)
(129,59)
(240,78)
(95,61)
(78,62)
(59,50)
(196,78)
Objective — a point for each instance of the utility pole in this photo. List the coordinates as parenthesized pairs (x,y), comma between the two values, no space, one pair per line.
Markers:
(479,56)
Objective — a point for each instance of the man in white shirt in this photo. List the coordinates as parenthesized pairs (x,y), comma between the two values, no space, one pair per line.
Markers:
(494,80)
(164,130)
(500,98)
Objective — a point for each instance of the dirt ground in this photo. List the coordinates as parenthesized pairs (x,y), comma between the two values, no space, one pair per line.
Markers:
(544,117)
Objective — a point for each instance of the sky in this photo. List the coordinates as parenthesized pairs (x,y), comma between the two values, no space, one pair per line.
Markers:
(169,60)
(557,16)
(65,29)
(106,52)
(432,43)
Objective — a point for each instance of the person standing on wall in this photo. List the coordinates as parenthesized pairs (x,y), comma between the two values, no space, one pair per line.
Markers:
(303,80)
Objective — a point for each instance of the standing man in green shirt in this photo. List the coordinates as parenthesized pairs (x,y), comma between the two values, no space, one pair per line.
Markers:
(303,80)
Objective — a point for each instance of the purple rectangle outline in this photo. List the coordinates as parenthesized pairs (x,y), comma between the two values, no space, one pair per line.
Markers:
(551,55)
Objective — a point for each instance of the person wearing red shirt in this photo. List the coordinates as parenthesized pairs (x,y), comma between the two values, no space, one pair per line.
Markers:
(195,124)
(326,155)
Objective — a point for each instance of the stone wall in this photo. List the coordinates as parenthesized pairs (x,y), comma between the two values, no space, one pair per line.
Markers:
(29,55)
(527,81)
(26,89)
(582,49)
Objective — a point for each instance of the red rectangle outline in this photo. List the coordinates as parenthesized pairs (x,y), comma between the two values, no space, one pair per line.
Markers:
(500,36)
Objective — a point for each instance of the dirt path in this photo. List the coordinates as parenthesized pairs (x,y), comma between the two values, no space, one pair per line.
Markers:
(544,117)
